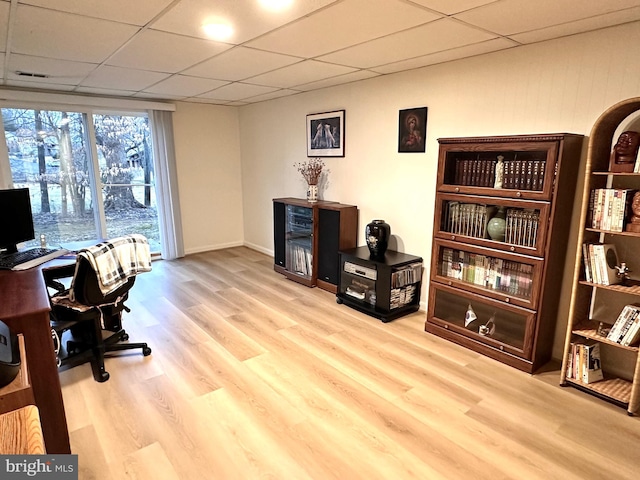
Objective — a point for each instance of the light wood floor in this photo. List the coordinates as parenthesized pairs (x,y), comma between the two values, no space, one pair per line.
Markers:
(255,376)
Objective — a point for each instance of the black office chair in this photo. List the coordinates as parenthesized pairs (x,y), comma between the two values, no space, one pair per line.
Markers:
(79,323)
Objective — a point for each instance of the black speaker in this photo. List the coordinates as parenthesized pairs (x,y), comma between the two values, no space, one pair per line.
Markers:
(279,215)
(328,245)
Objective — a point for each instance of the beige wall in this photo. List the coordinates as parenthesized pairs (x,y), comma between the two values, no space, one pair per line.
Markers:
(556,86)
(208,165)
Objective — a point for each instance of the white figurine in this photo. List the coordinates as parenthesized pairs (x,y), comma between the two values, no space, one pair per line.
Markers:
(499,172)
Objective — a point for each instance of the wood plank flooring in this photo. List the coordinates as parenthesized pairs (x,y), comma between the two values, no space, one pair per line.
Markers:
(254,376)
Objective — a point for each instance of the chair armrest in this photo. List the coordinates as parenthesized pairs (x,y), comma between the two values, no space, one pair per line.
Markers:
(51,275)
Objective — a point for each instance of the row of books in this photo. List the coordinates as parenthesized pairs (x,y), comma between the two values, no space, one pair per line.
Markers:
(506,276)
(609,208)
(626,329)
(402,296)
(468,219)
(299,260)
(516,174)
(584,362)
(600,261)
(406,275)
(471,219)
(522,227)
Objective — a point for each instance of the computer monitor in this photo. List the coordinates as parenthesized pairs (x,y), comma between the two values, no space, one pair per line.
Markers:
(16,220)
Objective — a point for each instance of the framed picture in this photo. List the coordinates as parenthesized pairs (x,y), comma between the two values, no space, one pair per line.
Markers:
(325,134)
(412,130)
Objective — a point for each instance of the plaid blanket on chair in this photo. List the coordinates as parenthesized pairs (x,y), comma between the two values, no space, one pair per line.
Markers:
(118,259)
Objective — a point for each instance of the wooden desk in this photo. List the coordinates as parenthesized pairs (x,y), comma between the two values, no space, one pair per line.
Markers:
(24,307)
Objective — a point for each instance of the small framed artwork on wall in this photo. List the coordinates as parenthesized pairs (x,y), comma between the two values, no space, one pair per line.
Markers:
(412,130)
(325,134)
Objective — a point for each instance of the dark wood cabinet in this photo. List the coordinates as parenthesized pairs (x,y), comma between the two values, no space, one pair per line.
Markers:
(385,288)
(499,242)
(307,237)
(595,306)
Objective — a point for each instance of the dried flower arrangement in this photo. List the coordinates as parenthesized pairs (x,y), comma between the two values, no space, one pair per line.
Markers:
(310,170)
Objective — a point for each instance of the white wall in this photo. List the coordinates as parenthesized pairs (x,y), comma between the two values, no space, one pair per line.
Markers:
(556,86)
(209,182)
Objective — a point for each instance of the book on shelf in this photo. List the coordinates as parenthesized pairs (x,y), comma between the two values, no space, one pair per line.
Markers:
(600,261)
(627,321)
(609,208)
(583,362)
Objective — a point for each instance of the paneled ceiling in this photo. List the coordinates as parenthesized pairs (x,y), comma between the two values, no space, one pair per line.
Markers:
(158,48)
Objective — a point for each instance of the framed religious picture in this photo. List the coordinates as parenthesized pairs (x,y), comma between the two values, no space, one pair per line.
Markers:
(325,134)
(412,130)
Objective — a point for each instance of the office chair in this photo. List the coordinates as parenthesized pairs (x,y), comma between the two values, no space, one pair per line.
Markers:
(81,313)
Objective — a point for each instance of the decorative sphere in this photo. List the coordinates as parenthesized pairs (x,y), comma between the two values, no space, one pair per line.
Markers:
(496,228)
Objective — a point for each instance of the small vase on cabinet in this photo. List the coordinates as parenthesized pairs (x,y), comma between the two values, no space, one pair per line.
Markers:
(312,193)
(377,234)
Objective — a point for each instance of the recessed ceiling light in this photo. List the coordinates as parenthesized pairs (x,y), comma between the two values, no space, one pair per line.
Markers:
(276,4)
(218,31)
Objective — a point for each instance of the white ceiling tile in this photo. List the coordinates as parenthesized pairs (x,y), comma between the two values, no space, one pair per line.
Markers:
(447,56)
(178,52)
(452,6)
(240,63)
(516,16)
(270,96)
(300,73)
(159,96)
(237,91)
(246,16)
(122,78)
(185,86)
(39,85)
(334,28)
(330,82)
(592,23)
(57,71)
(439,35)
(66,36)
(136,12)
(4,20)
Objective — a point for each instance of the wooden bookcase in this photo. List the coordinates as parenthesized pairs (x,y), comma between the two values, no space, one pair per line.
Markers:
(591,303)
(498,295)
(307,237)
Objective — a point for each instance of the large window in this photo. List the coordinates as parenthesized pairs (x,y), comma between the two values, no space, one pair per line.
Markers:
(90,176)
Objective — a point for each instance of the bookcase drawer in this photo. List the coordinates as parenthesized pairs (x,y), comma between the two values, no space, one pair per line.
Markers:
(476,319)
(506,277)
(467,218)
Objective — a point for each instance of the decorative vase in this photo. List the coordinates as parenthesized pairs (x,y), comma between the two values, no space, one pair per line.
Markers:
(377,234)
(312,193)
(497,226)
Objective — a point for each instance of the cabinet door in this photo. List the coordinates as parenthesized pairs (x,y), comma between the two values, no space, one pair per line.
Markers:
(512,279)
(299,240)
(506,169)
(473,219)
(478,319)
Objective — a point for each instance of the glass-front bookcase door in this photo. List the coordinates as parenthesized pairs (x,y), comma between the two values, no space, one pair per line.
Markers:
(501,326)
(299,240)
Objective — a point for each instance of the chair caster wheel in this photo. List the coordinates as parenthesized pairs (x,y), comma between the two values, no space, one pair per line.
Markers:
(146,351)
(339,301)
(125,337)
(103,377)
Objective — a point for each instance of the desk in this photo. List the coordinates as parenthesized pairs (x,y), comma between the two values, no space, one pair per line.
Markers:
(24,307)
(21,433)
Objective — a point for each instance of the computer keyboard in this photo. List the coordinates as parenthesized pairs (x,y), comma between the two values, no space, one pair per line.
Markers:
(29,258)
